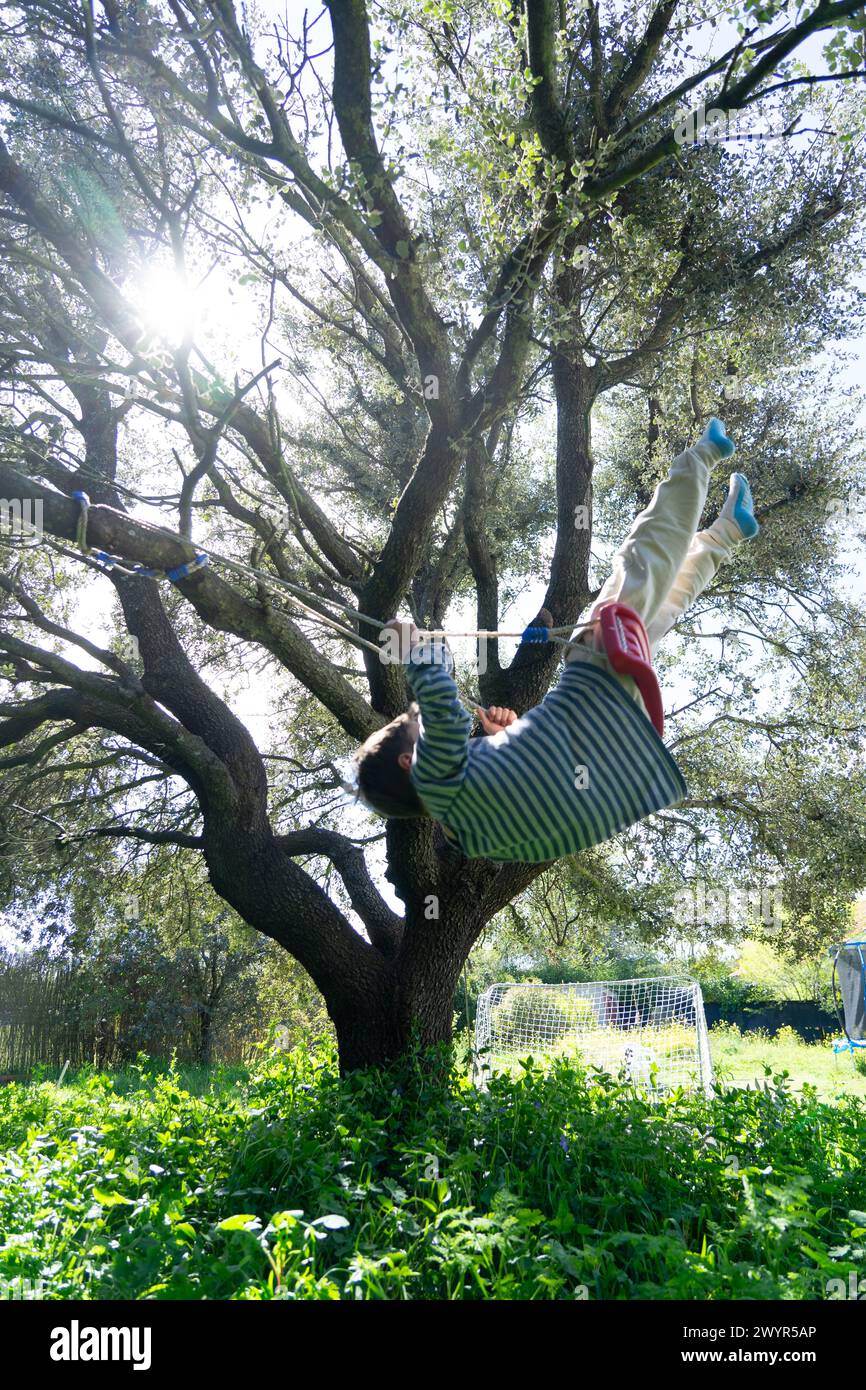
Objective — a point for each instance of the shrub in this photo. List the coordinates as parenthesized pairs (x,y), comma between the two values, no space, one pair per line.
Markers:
(414,1185)
(722,1032)
(525,1015)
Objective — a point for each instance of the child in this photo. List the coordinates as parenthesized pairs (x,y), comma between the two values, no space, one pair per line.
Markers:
(586,762)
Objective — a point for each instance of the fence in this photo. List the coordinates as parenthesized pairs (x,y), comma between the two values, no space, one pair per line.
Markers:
(52,1012)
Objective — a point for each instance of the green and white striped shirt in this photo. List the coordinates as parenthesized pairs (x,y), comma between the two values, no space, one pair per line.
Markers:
(570,773)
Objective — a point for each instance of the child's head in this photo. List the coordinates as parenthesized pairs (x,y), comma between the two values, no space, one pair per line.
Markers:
(382,765)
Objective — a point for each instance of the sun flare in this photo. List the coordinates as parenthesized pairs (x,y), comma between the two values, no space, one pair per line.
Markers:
(169,307)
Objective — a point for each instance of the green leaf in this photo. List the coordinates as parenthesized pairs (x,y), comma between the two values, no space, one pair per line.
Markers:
(244,1221)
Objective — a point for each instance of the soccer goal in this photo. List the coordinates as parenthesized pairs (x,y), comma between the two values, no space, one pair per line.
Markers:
(651,1032)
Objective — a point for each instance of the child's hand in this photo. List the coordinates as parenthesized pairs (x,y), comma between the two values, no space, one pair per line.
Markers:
(495,719)
(407,634)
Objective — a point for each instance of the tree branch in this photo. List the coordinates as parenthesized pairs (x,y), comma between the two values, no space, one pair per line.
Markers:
(217,602)
(384,927)
(131,832)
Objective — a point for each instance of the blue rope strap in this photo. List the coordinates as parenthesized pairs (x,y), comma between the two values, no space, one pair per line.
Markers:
(189,567)
(535,634)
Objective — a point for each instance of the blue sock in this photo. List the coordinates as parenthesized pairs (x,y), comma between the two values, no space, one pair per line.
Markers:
(740,507)
(715,434)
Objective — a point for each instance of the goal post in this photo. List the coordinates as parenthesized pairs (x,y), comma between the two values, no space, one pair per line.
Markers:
(652,1031)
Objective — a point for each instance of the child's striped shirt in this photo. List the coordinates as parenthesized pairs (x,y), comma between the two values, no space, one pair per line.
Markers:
(570,773)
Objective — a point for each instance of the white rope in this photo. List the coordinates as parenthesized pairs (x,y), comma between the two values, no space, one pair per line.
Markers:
(540,635)
(277,582)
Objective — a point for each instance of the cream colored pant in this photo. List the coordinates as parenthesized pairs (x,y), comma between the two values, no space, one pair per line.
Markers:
(665,562)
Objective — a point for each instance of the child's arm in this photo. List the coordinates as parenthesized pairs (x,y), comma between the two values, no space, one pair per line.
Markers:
(442,750)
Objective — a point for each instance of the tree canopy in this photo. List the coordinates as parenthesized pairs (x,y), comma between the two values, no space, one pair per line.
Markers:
(409,305)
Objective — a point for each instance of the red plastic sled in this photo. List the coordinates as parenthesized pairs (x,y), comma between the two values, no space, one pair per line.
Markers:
(627,648)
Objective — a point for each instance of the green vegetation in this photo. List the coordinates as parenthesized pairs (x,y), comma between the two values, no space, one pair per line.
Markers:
(740,1059)
(292,1183)
(516,1017)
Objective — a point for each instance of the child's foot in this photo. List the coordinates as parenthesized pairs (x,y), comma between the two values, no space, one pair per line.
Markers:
(740,507)
(715,442)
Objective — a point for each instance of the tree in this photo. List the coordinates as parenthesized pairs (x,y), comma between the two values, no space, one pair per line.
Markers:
(493,199)
(150,962)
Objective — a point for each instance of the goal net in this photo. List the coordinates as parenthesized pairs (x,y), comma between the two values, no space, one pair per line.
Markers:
(651,1032)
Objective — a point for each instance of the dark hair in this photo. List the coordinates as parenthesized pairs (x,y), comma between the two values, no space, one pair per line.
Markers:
(383,784)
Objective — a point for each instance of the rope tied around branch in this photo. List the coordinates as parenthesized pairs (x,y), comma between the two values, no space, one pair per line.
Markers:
(533,634)
(114,563)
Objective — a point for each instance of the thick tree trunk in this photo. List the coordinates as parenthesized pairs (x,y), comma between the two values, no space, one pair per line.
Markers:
(390,992)
(415,1001)
(419,1011)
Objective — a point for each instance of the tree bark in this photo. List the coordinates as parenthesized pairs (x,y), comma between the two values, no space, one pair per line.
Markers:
(205,1035)
(413,1005)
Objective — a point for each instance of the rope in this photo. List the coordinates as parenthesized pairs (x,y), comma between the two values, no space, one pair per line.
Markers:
(531,634)
(113,562)
(81,529)
(246,570)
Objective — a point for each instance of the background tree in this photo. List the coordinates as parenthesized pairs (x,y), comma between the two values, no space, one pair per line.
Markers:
(429,226)
(145,958)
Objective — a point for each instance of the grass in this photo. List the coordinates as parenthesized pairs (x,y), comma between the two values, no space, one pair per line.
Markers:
(195,1080)
(290,1183)
(739,1060)
(668,1052)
